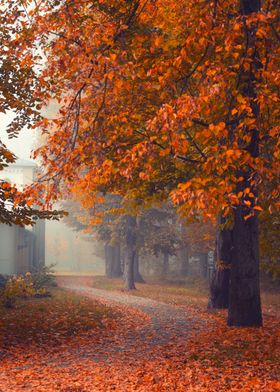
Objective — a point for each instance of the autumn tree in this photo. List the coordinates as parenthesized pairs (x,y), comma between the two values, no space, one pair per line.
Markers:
(14,209)
(110,223)
(17,83)
(163,99)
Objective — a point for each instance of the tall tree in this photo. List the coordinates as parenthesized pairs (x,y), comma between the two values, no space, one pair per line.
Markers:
(163,99)
(244,291)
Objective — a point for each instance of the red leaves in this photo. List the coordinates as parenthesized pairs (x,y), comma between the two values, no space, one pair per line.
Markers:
(50,322)
(164,81)
(200,354)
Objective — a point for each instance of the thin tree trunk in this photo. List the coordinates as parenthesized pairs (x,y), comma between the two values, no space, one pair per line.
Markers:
(117,269)
(244,293)
(130,249)
(219,285)
(165,267)
(184,261)
(184,252)
(203,265)
(108,260)
(112,261)
(137,275)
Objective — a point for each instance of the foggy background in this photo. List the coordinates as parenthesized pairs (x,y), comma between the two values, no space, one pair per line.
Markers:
(68,250)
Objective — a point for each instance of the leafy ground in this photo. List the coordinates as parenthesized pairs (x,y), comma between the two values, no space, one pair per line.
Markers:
(50,321)
(141,345)
(192,291)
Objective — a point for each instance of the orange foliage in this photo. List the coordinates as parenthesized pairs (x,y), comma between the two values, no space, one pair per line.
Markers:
(150,99)
(137,354)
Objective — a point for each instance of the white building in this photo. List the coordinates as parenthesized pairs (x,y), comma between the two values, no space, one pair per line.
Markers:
(50,242)
(21,173)
(22,249)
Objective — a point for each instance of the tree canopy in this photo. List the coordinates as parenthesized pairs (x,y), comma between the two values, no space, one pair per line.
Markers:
(160,99)
(146,108)
(17,83)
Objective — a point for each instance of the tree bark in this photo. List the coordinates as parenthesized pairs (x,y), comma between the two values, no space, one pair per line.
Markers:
(219,284)
(244,293)
(108,250)
(165,267)
(203,265)
(112,261)
(137,275)
(184,264)
(183,253)
(130,250)
(117,269)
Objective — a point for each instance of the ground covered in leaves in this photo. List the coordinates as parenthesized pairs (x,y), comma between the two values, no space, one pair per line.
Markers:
(124,342)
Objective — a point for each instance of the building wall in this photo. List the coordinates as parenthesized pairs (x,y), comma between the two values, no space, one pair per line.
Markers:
(25,240)
(20,176)
(7,249)
(50,242)
(21,249)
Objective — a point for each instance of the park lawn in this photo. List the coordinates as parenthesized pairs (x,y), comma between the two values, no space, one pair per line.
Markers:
(191,292)
(52,320)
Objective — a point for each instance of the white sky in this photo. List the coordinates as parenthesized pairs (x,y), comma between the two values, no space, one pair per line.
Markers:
(22,145)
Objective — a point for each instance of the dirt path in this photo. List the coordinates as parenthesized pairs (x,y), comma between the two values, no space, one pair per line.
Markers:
(144,350)
(149,347)
(166,322)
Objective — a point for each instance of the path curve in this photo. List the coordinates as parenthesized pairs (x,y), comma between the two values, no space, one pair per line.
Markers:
(167,322)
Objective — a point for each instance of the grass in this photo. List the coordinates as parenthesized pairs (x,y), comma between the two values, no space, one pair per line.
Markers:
(194,291)
(51,320)
(190,292)
(75,273)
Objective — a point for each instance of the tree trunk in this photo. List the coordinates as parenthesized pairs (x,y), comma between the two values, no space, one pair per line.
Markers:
(219,285)
(219,289)
(137,275)
(165,267)
(244,293)
(184,261)
(203,265)
(117,269)
(108,260)
(130,250)
(184,252)
(112,261)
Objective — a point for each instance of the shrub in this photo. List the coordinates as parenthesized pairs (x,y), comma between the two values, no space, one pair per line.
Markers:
(17,287)
(33,284)
(42,277)
(3,281)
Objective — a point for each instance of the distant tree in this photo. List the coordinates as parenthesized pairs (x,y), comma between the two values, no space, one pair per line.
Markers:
(159,234)
(101,224)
